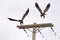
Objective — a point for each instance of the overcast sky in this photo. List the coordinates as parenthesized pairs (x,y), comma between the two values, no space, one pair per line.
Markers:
(16,8)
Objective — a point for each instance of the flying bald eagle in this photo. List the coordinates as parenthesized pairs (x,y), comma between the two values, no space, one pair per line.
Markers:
(21,21)
(45,10)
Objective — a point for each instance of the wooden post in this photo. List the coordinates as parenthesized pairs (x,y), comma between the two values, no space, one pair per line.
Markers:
(34,26)
(34,34)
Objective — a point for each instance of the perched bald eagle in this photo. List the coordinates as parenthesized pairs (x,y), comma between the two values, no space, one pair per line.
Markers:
(45,10)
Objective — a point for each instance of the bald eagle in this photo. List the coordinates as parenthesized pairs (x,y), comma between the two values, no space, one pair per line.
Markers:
(21,21)
(45,10)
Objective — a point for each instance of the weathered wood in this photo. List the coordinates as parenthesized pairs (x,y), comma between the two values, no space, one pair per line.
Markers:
(35,25)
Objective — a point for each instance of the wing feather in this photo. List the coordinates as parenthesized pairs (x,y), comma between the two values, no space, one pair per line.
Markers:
(37,6)
(27,11)
(47,7)
(12,19)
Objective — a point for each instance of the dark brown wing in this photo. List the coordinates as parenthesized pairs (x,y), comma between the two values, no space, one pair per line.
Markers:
(27,11)
(37,6)
(12,19)
(47,7)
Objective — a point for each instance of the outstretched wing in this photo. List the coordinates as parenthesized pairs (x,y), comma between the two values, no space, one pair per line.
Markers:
(37,6)
(27,11)
(12,19)
(47,7)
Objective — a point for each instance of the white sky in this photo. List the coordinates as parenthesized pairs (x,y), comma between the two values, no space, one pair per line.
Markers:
(16,8)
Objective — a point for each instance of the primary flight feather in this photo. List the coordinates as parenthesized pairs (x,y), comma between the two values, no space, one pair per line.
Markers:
(47,7)
(38,8)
